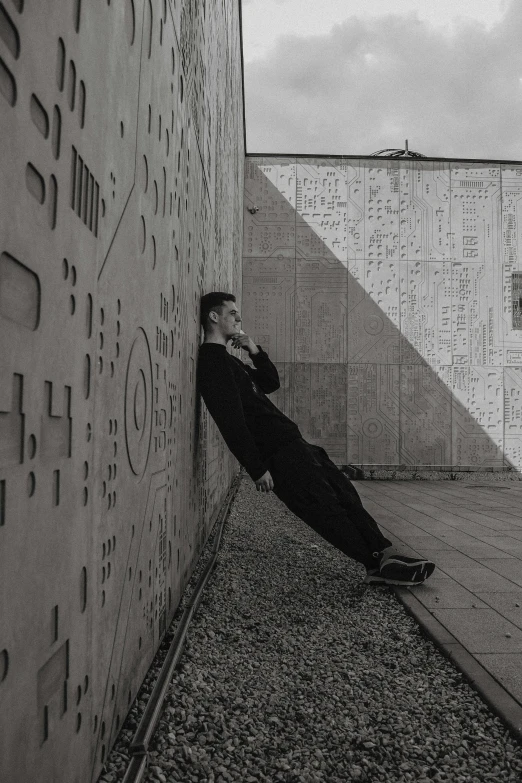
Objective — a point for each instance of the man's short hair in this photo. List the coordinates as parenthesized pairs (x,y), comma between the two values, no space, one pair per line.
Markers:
(213,301)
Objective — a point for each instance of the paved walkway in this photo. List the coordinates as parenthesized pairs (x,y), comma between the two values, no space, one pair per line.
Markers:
(472,605)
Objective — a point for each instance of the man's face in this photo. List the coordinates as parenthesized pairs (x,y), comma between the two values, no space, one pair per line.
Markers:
(230,320)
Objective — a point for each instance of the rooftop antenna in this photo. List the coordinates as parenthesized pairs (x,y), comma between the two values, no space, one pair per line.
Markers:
(405,153)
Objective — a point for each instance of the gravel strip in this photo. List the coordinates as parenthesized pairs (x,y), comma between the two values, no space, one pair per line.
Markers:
(295,671)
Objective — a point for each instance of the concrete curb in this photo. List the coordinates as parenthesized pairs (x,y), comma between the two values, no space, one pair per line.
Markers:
(492,692)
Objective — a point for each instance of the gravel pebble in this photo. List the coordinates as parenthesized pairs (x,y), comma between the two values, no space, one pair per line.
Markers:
(295,671)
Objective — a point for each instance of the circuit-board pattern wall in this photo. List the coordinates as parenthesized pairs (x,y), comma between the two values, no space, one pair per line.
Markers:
(121,138)
(389,295)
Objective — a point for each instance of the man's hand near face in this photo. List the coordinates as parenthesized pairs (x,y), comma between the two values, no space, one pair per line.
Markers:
(242,340)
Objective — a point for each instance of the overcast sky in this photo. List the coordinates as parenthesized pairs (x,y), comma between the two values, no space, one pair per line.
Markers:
(350,77)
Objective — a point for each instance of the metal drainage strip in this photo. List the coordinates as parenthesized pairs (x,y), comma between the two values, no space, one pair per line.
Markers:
(139,747)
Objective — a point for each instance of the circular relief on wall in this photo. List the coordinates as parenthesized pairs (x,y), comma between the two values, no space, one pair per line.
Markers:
(138,404)
(373,324)
(372,428)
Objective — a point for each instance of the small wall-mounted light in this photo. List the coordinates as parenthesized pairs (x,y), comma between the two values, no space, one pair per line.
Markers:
(253,210)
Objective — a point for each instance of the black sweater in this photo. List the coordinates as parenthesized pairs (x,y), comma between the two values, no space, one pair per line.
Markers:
(235,395)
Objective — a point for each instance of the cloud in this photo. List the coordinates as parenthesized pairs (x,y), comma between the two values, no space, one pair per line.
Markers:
(370,84)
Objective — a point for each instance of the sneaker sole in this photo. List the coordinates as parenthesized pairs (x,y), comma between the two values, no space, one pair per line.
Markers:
(380,580)
(425,572)
(410,562)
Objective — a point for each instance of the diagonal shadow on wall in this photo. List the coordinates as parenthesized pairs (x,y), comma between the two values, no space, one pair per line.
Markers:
(350,378)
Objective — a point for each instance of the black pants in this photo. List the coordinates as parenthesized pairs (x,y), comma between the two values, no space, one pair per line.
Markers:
(320,494)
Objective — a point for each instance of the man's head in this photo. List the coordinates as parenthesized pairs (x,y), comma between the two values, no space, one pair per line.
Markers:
(219,315)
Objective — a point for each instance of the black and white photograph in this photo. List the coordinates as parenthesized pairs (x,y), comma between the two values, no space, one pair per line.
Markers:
(260,391)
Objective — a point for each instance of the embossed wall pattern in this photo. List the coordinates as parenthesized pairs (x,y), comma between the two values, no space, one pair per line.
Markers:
(388,292)
(122,176)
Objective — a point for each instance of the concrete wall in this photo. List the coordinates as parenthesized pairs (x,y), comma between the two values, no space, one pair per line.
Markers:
(121,138)
(388,294)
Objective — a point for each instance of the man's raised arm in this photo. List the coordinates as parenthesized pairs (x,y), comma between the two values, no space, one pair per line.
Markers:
(265,373)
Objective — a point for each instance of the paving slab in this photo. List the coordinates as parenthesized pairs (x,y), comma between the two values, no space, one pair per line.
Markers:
(472,605)
(490,518)
(508,517)
(512,568)
(506,543)
(481,578)
(499,696)
(446,559)
(426,542)
(477,521)
(447,594)
(509,605)
(478,550)
(506,668)
(481,630)
(499,498)
(459,540)
(483,533)
(516,534)
(450,509)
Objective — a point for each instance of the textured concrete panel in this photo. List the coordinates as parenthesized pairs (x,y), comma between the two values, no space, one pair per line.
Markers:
(373,311)
(431,249)
(122,168)
(268,305)
(321,195)
(510,313)
(477,415)
(425,417)
(511,263)
(513,415)
(475,213)
(355,209)
(373,195)
(321,291)
(373,413)
(319,406)
(425,227)
(476,290)
(271,189)
(511,214)
(426,315)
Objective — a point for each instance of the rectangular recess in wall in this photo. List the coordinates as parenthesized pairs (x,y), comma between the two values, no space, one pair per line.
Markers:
(56,488)
(2,502)
(54,615)
(85,192)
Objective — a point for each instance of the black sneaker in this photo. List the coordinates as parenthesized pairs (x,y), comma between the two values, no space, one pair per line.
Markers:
(400,570)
